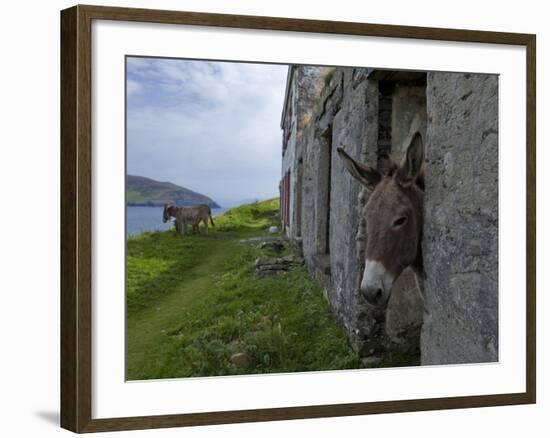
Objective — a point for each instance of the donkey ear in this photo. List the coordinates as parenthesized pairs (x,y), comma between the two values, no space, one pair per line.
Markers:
(366,175)
(411,166)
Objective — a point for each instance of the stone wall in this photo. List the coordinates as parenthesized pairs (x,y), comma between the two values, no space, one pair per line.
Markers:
(305,86)
(354,128)
(461,219)
(372,114)
(346,114)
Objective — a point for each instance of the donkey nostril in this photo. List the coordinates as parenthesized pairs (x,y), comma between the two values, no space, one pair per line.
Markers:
(374,295)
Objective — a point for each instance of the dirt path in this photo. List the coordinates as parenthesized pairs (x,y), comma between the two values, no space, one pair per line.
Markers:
(147,329)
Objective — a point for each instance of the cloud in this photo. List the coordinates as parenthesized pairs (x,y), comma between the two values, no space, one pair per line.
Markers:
(133,87)
(209,126)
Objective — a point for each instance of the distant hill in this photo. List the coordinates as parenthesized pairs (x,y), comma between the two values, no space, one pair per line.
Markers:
(146,191)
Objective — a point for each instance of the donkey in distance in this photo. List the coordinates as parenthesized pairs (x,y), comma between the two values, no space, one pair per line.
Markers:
(394,221)
(183,216)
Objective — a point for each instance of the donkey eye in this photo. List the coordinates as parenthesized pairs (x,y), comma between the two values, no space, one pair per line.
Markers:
(400,221)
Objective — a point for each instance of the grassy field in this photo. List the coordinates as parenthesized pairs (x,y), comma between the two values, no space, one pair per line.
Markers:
(194,301)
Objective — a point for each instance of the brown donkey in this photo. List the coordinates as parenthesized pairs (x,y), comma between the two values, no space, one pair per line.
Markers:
(184,216)
(394,221)
(169,213)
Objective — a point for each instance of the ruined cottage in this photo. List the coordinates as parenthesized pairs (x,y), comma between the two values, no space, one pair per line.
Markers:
(371,113)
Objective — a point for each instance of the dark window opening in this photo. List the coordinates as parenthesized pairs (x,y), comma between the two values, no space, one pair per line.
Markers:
(385,103)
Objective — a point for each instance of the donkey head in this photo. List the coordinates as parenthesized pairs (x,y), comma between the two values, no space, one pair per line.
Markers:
(168,212)
(394,220)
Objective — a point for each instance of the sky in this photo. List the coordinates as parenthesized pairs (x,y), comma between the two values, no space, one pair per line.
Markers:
(212,127)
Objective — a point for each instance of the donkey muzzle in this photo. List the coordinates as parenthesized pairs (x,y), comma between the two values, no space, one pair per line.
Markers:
(376,284)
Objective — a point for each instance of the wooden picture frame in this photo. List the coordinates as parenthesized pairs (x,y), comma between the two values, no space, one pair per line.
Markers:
(76,218)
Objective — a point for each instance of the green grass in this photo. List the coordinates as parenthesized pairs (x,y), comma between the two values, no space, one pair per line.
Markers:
(250,217)
(193,301)
(135,197)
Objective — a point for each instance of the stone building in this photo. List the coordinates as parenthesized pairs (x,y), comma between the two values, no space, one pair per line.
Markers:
(371,114)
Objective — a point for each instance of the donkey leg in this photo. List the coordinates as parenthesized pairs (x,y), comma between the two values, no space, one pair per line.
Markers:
(205,226)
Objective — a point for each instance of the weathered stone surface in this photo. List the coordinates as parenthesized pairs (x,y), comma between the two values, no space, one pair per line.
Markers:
(405,314)
(273,245)
(346,115)
(408,116)
(354,127)
(372,114)
(261,240)
(372,361)
(268,266)
(461,220)
(305,87)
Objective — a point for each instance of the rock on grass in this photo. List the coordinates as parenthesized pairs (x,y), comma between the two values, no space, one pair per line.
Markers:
(240,359)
